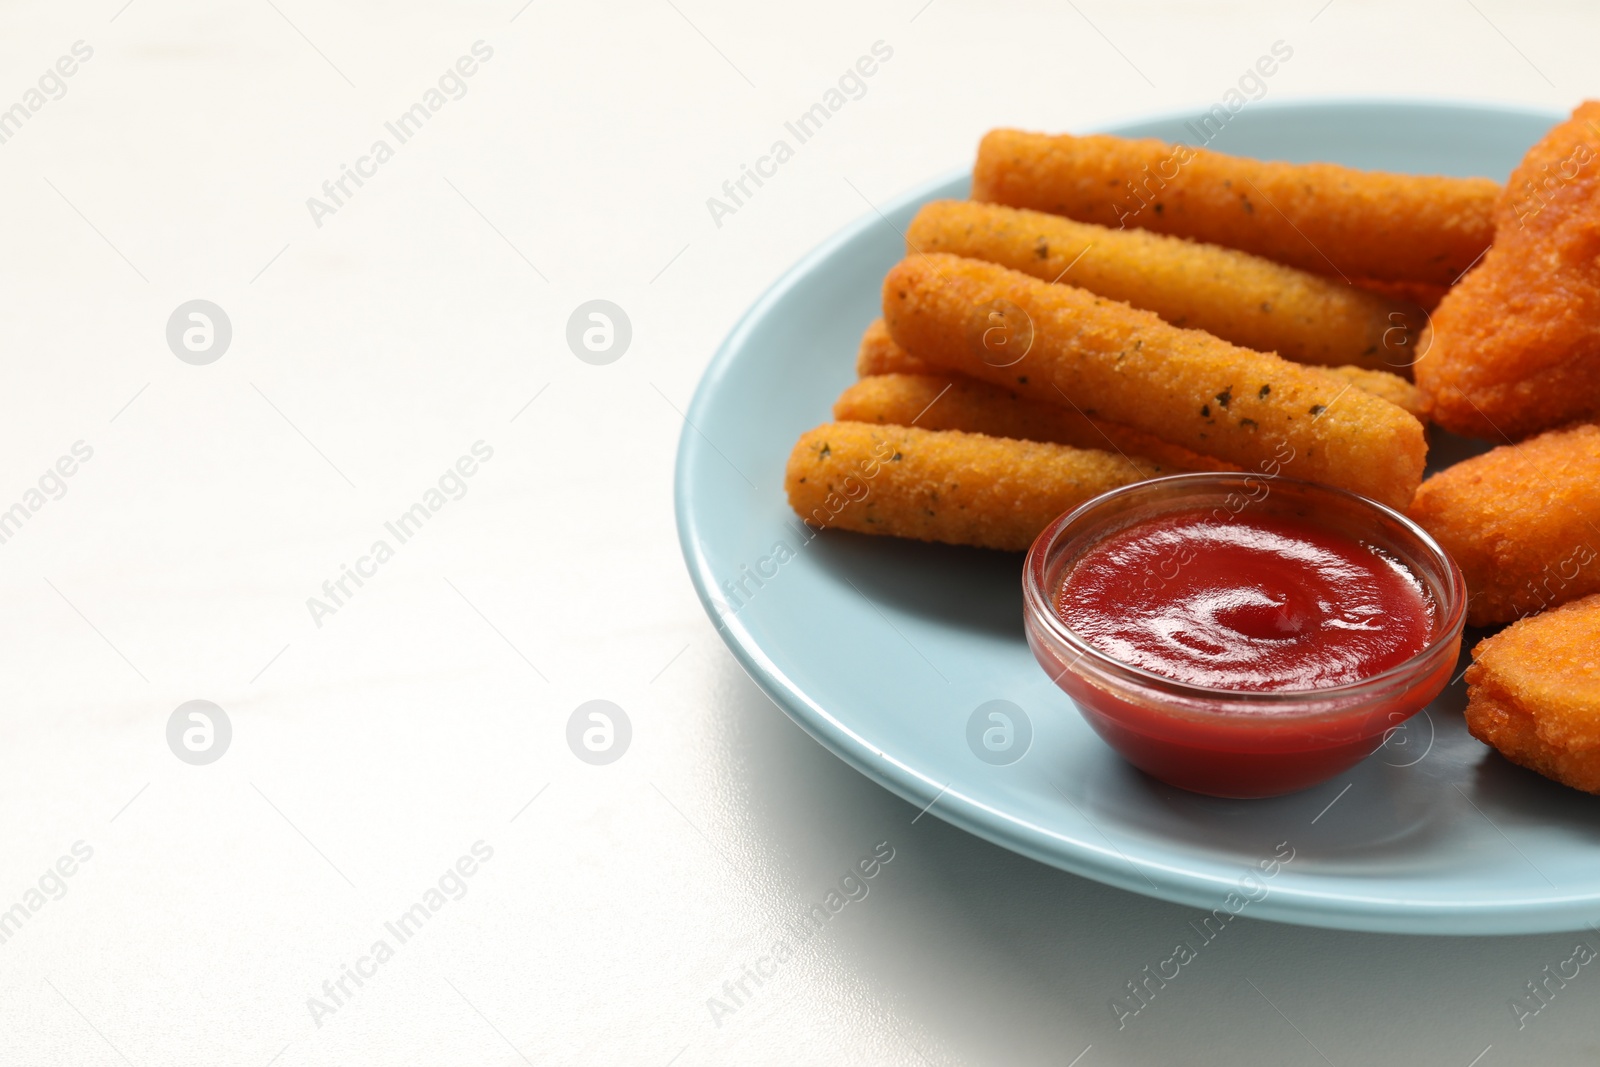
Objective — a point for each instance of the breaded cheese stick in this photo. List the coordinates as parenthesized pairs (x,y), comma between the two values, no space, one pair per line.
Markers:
(943,485)
(1319,217)
(880,355)
(1243,298)
(1533,692)
(1056,343)
(956,402)
(1383,385)
(1522,521)
(1425,295)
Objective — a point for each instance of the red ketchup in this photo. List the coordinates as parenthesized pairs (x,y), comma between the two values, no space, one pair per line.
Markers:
(1259,624)
(1258,603)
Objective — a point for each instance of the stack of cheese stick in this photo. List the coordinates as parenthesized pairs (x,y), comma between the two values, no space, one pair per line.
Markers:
(1044,343)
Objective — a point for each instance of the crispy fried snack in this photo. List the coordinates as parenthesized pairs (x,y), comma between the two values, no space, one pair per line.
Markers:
(1253,302)
(1533,692)
(1383,385)
(880,355)
(1425,295)
(1522,521)
(956,402)
(1316,216)
(1515,348)
(1060,344)
(944,485)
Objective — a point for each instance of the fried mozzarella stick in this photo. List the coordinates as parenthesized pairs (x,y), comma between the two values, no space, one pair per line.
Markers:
(879,355)
(1533,692)
(1522,521)
(1060,344)
(1319,217)
(1383,385)
(956,402)
(944,485)
(1425,295)
(1253,302)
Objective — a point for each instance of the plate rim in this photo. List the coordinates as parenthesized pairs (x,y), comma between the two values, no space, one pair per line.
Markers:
(1104,863)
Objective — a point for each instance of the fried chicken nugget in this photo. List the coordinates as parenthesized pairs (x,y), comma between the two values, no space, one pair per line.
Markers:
(1319,217)
(956,402)
(1515,347)
(944,485)
(1522,521)
(1253,302)
(1060,344)
(1533,692)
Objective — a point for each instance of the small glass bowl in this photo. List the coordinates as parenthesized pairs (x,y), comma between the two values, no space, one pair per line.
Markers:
(1228,742)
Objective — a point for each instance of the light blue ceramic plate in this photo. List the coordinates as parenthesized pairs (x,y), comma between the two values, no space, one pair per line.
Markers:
(883,649)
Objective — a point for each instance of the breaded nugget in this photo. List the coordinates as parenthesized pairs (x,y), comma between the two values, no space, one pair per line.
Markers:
(1522,521)
(956,402)
(943,485)
(1319,217)
(1060,344)
(1253,302)
(1515,347)
(1533,692)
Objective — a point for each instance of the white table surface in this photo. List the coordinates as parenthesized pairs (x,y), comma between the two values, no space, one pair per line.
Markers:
(368,354)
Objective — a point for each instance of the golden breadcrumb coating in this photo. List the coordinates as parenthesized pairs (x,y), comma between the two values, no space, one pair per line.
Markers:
(956,402)
(1383,385)
(1253,302)
(1060,344)
(1533,692)
(1425,295)
(944,485)
(880,355)
(1515,347)
(1319,217)
(1522,521)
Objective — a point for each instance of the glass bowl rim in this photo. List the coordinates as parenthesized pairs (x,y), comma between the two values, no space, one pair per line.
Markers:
(1039,606)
